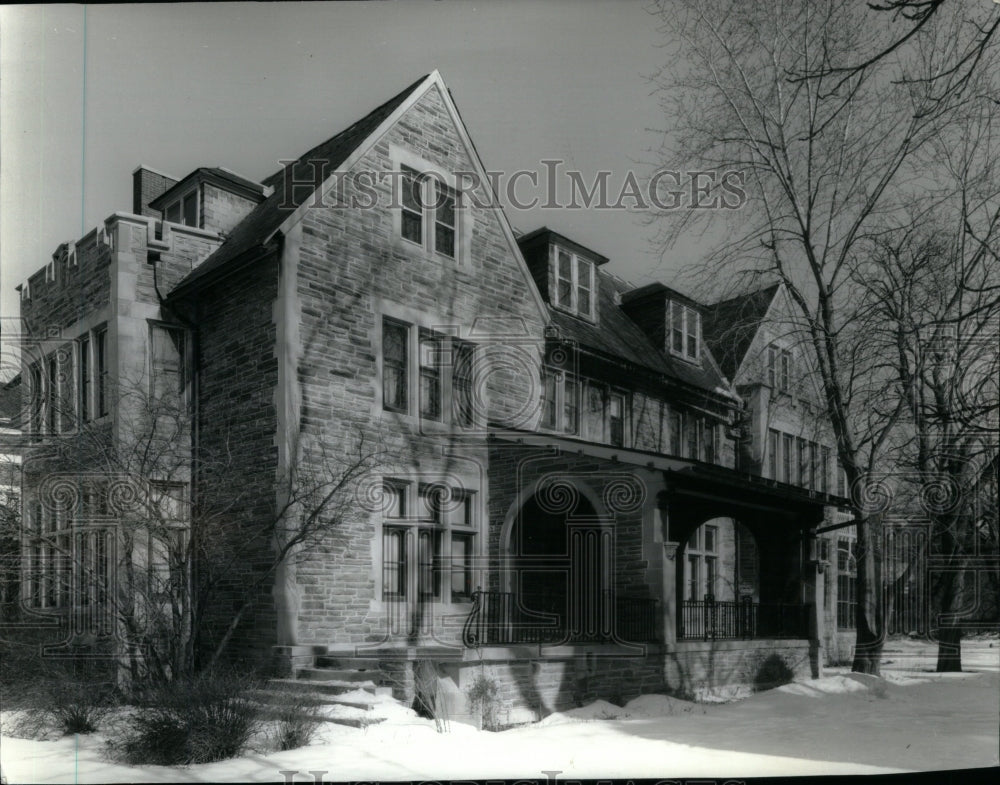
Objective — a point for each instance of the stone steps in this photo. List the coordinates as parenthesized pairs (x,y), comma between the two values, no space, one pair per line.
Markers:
(334,689)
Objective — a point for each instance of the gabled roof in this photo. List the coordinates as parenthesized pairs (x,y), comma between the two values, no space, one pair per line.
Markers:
(729,326)
(250,235)
(617,336)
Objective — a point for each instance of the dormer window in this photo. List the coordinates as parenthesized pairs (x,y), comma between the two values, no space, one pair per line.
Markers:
(575,284)
(184,210)
(685,331)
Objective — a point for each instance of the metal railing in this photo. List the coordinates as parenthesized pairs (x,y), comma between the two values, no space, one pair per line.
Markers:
(498,619)
(710,619)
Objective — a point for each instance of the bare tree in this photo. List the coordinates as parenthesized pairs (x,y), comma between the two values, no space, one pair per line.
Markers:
(915,18)
(932,289)
(827,161)
(158,563)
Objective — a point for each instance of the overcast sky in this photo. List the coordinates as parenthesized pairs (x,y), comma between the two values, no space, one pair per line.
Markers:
(89,94)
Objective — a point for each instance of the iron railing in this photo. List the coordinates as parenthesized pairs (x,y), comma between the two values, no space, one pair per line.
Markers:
(499,618)
(710,619)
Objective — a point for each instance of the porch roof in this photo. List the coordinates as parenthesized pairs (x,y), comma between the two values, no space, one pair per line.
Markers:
(718,486)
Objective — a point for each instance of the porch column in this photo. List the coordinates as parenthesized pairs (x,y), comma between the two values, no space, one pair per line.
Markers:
(670,592)
(815,591)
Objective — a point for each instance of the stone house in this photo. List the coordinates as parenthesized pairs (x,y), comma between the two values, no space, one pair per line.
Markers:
(582,499)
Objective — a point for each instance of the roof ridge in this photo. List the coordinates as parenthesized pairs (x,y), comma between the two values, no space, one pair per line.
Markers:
(326,142)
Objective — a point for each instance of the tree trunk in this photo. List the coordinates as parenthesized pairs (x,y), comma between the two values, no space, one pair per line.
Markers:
(870,611)
(949,631)
(949,658)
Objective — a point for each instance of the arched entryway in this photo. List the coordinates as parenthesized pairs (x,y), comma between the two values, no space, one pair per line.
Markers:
(559,566)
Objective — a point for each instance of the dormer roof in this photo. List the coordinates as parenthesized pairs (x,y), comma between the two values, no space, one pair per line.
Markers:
(217,175)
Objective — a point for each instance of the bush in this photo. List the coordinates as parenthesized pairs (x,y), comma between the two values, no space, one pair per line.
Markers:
(484,700)
(56,704)
(295,725)
(205,718)
(772,672)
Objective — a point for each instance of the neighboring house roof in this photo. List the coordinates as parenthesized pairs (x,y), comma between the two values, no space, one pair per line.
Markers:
(729,326)
(617,336)
(249,236)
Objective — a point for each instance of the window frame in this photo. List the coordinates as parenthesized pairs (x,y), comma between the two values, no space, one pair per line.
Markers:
(402,366)
(684,330)
(183,371)
(433,185)
(576,261)
(441,526)
(179,203)
(555,409)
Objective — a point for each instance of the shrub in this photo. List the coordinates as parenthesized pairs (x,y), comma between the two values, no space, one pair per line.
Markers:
(53,703)
(484,700)
(201,719)
(772,672)
(295,725)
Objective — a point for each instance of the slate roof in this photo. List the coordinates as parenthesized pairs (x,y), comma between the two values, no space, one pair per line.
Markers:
(249,235)
(729,326)
(617,336)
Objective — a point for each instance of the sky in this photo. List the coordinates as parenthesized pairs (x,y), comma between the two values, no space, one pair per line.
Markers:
(91,92)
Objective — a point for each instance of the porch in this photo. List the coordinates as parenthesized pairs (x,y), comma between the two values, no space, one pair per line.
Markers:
(500,619)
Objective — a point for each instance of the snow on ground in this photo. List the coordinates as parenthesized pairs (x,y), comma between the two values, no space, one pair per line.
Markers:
(910,720)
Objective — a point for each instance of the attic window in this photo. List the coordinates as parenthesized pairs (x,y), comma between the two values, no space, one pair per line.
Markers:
(574,284)
(184,210)
(685,331)
(429,211)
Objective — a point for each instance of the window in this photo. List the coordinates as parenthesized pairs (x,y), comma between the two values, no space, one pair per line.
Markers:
(444,220)
(561,406)
(574,283)
(779,368)
(412,227)
(785,379)
(463,356)
(691,425)
(83,383)
(676,424)
(184,210)
(550,381)
(787,457)
(52,394)
(773,447)
(693,578)
(571,405)
(702,562)
(841,481)
(393,541)
(430,375)
(708,440)
(461,566)
(813,465)
(847,583)
(429,212)
(168,359)
(803,477)
(441,523)
(37,399)
(824,470)
(685,331)
(101,350)
(616,419)
(395,340)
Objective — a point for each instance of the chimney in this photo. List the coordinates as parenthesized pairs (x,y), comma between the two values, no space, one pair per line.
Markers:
(147,184)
